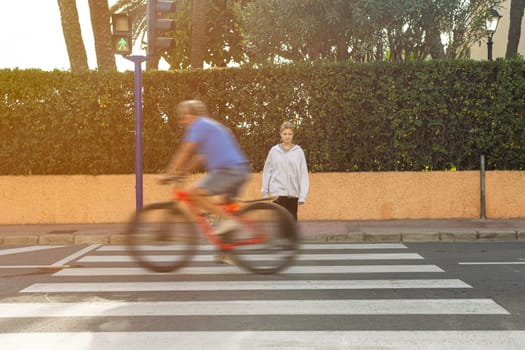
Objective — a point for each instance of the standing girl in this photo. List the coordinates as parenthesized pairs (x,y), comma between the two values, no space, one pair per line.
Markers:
(285,173)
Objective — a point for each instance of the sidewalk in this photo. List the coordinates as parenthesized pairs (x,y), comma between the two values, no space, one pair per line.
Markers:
(311,231)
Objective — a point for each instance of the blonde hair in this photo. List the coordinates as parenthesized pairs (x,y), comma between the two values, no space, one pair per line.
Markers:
(287,125)
(192,107)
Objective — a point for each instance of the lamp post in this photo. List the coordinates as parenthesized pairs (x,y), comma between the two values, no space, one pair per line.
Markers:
(491,24)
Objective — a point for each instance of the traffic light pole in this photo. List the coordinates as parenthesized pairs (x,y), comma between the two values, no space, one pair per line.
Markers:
(138,126)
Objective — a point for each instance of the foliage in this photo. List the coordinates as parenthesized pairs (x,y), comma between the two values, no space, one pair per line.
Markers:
(362,30)
(275,31)
(223,44)
(413,116)
(298,30)
(66,123)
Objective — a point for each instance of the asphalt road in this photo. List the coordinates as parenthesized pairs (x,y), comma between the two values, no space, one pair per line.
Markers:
(337,296)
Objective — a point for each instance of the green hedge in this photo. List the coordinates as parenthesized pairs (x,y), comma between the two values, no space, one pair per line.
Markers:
(436,115)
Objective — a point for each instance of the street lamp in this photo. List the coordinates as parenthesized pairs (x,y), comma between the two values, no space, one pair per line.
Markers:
(491,24)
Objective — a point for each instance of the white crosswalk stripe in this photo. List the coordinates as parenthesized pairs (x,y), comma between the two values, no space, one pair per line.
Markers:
(195,270)
(346,275)
(242,285)
(265,340)
(323,246)
(257,307)
(262,257)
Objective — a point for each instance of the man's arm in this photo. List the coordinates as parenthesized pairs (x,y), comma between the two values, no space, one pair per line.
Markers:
(180,158)
(195,163)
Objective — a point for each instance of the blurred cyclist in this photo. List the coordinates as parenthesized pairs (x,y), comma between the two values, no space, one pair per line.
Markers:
(209,143)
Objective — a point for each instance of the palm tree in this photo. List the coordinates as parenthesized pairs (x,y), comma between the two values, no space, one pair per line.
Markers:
(198,33)
(517,8)
(72,35)
(99,11)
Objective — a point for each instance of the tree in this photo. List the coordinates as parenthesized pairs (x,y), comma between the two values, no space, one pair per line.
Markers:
(298,30)
(464,24)
(100,17)
(414,29)
(517,8)
(223,43)
(73,35)
(362,30)
(198,33)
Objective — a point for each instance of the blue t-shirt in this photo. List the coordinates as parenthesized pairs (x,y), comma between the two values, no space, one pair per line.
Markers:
(216,143)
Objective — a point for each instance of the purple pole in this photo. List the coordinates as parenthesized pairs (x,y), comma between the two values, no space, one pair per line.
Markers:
(138,127)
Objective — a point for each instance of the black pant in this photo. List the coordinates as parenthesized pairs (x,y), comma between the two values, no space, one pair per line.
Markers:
(290,203)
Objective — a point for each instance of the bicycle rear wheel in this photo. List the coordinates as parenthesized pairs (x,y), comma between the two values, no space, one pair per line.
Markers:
(277,232)
(161,237)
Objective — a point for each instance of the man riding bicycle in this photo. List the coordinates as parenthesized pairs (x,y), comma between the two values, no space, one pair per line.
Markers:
(209,143)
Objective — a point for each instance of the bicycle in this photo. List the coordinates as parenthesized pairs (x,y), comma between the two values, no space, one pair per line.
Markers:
(266,241)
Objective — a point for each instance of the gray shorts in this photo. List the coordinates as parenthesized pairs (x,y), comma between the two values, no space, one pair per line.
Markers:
(228,181)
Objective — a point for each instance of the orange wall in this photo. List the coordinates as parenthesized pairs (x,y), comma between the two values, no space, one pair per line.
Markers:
(333,196)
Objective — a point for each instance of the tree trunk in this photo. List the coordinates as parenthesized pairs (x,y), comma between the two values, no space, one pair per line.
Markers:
(433,41)
(100,19)
(72,35)
(516,15)
(198,33)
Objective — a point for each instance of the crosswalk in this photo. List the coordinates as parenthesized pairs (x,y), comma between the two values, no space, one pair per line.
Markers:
(336,296)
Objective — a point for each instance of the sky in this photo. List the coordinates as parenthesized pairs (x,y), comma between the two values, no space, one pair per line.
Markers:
(32,36)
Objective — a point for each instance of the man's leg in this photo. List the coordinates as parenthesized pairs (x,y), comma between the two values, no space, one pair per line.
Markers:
(218,182)
(205,201)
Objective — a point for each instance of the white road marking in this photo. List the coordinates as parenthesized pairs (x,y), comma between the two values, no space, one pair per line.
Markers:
(196,270)
(75,255)
(307,246)
(266,340)
(243,285)
(256,307)
(301,257)
(493,263)
(27,249)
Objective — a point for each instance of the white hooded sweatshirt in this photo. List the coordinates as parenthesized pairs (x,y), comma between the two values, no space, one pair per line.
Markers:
(285,173)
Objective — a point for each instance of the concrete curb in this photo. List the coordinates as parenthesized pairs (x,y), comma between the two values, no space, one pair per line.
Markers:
(420,237)
(446,230)
(119,238)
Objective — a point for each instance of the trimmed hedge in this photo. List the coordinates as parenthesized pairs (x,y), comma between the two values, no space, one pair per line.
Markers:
(436,115)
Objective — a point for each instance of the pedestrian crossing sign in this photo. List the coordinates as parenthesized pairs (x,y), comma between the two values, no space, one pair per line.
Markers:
(121,32)
(122,45)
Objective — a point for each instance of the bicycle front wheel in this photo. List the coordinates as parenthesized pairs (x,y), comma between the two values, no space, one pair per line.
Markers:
(267,241)
(161,237)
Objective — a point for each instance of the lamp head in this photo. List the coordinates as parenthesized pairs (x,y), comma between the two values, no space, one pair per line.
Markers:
(492,21)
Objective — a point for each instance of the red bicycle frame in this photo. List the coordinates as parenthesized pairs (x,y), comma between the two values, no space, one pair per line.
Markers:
(183,196)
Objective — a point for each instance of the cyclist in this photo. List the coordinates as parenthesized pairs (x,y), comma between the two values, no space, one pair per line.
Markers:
(209,143)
